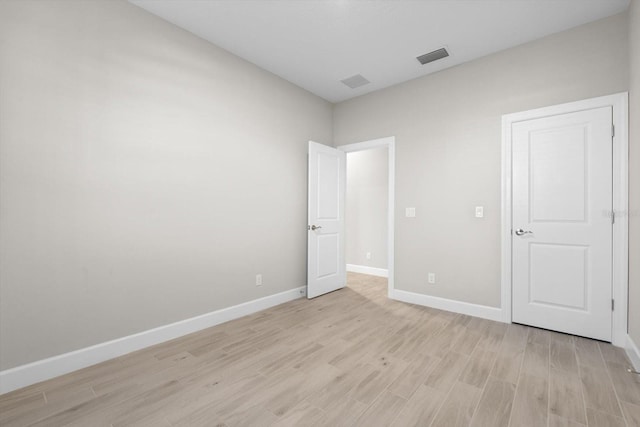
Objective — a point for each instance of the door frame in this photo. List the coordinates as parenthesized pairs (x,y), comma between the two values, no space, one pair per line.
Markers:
(390,143)
(620,283)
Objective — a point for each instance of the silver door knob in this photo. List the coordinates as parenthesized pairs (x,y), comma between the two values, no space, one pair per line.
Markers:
(316,227)
(520,232)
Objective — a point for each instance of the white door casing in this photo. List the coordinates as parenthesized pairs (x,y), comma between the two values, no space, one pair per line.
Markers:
(326,264)
(562,198)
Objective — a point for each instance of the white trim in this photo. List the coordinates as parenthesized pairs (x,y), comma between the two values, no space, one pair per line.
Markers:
(22,376)
(634,353)
(363,269)
(476,310)
(505,221)
(390,143)
(619,103)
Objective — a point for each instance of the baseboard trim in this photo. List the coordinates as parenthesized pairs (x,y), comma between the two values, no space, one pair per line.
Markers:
(476,310)
(41,370)
(363,269)
(634,353)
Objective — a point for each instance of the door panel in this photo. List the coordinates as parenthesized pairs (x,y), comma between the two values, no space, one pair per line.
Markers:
(328,182)
(558,187)
(562,197)
(327,186)
(558,275)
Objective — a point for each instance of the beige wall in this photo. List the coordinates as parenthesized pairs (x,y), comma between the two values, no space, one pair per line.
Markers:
(634,171)
(146,176)
(367,206)
(448,148)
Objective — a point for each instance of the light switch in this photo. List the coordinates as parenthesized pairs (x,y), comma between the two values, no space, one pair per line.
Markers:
(410,212)
(479,211)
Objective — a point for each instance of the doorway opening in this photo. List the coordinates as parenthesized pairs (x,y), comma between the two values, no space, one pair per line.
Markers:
(370,208)
(366,211)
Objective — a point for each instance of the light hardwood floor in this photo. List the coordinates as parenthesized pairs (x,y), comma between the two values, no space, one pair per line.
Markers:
(350,358)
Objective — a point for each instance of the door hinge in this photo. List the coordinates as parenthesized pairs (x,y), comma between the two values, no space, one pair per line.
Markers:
(613,304)
(613,130)
(613,217)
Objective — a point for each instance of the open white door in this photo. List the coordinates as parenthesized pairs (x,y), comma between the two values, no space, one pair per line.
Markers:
(562,228)
(326,260)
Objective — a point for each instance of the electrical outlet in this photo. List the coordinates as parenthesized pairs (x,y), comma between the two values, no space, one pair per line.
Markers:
(258,279)
(479,211)
(410,212)
(431,278)
(368,255)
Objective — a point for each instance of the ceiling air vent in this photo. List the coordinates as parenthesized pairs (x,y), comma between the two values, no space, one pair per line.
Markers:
(433,56)
(355,81)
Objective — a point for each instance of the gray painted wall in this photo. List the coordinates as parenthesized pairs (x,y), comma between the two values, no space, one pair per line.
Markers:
(448,146)
(634,171)
(367,206)
(146,176)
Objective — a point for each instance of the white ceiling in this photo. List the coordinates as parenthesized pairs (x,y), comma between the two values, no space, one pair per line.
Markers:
(316,43)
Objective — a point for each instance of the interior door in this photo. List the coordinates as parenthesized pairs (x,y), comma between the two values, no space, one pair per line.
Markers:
(326,266)
(562,225)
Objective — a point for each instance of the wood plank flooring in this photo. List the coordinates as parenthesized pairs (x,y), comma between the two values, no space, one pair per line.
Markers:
(350,358)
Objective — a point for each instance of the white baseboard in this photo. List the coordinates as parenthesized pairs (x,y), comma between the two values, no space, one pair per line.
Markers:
(22,376)
(363,269)
(476,310)
(634,353)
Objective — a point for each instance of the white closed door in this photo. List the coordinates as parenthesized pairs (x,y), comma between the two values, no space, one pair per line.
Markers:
(562,226)
(326,267)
